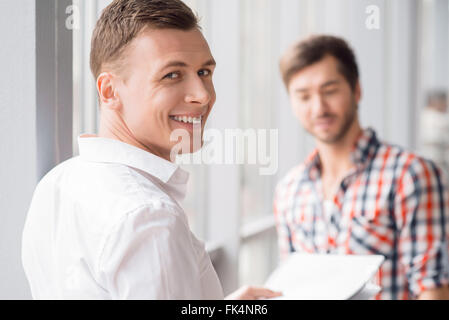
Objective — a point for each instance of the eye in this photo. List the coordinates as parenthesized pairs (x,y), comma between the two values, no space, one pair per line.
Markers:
(204,72)
(172,75)
(329,92)
(304,98)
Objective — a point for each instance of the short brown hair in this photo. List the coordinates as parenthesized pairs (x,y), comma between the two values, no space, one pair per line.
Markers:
(122,20)
(315,48)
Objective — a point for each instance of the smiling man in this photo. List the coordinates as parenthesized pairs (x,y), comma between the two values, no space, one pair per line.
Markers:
(355,194)
(107,224)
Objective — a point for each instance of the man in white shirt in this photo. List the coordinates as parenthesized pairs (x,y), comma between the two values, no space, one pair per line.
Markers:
(107,224)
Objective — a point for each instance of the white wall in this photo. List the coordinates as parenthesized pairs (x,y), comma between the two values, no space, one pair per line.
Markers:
(17,138)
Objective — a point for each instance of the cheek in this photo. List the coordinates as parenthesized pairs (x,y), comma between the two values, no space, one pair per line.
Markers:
(141,113)
(133,100)
(208,84)
(212,93)
(340,103)
(301,112)
(166,98)
(139,110)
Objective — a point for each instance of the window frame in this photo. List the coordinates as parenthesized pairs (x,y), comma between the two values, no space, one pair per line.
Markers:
(53,85)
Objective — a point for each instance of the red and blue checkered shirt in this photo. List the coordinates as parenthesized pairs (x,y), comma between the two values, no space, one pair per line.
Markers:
(393,203)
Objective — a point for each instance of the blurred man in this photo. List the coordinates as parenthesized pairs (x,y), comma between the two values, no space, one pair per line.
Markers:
(355,194)
(107,224)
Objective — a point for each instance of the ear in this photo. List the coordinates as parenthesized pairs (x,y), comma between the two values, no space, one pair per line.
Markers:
(107,91)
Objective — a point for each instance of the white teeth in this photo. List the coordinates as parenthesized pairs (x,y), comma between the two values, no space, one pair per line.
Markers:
(186,119)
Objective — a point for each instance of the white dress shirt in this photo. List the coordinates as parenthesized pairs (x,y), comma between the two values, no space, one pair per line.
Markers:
(107,225)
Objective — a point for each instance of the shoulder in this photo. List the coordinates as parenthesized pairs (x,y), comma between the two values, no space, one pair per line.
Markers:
(53,175)
(403,160)
(421,173)
(129,195)
(411,170)
(47,185)
(154,215)
(102,194)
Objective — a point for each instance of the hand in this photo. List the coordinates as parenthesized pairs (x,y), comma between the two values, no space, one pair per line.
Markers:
(441,293)
(252,293)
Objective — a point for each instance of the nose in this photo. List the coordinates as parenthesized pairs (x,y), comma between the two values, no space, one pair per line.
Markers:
(198,92)
(319,105)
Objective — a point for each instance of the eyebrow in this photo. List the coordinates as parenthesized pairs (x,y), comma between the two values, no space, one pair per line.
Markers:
(210,62)
(329,83)
(324,85)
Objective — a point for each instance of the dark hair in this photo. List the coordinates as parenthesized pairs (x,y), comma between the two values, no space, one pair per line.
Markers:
(315,48)
(122,20)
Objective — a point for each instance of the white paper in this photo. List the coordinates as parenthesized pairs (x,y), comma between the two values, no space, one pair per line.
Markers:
(368,292)
(325,277)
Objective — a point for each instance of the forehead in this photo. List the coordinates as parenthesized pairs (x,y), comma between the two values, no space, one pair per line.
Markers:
(155,47)
(316,74)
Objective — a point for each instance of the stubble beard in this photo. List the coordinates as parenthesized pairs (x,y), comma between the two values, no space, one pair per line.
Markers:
(348,120)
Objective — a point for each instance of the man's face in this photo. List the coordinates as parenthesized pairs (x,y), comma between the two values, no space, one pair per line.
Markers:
(323,101)
(166,85)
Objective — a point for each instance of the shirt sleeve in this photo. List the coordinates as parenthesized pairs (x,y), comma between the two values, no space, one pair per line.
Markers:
(149,255)
(283,229)
(422,214)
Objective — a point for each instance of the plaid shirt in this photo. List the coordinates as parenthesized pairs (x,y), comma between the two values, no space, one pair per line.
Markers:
(392,203)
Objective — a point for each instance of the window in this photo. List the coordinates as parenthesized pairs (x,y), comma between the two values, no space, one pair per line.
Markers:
(258,78)
(85,104)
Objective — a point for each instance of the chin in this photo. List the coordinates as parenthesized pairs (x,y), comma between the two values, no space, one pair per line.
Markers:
(189,148)
(326,137)
(331,138)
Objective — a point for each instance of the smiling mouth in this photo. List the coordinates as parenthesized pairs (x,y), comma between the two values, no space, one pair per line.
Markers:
(187,119)
(324,121)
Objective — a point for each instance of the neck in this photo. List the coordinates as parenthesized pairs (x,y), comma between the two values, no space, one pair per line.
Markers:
(113,126)
(335,157)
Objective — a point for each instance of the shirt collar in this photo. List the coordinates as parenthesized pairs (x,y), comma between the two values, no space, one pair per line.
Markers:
(98,149)
(364,149)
